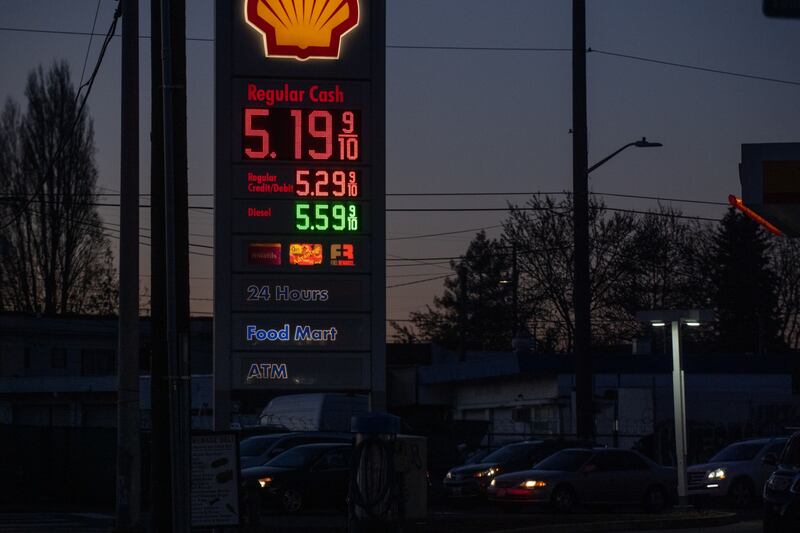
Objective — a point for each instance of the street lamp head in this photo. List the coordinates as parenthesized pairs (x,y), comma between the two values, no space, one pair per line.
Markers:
(644,143)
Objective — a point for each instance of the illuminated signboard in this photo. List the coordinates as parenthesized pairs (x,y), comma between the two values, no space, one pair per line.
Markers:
(299,197)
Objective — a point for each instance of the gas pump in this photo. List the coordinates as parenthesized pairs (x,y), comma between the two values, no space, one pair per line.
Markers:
(373,498)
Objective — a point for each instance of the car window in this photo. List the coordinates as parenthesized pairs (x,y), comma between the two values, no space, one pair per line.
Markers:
(791,453)
(618,460)
(565,461)
(509,452)
(776,447)
(634,462)
(295,458)
(254,446)
(740,451)
(334,460)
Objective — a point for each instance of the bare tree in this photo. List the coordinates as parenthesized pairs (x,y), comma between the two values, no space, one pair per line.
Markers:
(57,258)
(786,265)
(544,228)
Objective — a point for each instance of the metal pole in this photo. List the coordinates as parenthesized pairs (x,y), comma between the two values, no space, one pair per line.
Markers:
(160,468)
(462,311)
(128,495)
(176,343)
(678,402)
(584,393)
(514,290)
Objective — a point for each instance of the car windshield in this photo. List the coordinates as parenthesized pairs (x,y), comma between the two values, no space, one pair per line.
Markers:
(744,451)
(507,453)
(565,461)
(256,445)
(296,457)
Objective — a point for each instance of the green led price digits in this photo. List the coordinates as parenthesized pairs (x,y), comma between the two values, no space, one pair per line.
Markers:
(323,216)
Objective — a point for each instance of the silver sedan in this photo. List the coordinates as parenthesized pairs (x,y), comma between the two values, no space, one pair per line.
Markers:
(597,475)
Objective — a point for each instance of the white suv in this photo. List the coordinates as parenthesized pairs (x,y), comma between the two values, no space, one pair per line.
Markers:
(736,472)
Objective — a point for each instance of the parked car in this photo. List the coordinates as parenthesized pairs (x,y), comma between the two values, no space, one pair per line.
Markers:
(782,490)
(472,480)
(737,472)
(305,476)
(260,449)
(588,475)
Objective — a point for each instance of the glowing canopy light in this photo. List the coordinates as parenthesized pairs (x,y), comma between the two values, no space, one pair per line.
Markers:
(302,29)
(739,204)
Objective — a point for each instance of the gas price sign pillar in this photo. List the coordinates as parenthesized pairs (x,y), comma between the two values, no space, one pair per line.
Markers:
(299,270)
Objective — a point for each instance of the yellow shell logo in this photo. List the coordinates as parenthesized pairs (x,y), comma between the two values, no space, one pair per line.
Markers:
(302,29)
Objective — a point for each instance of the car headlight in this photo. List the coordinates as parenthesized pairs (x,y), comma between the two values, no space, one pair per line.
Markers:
(264,482)
(449,475)
(716,475)
(533,484)
(489,472)
(493,482)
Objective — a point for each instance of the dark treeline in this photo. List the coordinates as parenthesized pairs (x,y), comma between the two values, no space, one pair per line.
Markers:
(654,260)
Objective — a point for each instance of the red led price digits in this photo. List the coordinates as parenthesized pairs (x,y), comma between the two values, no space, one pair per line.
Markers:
(301,134)
(250,131)
(323,183)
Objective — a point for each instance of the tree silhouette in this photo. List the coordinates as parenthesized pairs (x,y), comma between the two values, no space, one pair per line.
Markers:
(56,258)
(743,287)
(488,314)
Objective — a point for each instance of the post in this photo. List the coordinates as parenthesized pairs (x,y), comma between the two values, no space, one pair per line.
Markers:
(584,390)
(514,290)
(160,469)
(128,495)
(175,237)
(462,311)
(679,407)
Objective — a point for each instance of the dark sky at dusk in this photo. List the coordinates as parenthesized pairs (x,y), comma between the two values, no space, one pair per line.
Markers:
(480,120)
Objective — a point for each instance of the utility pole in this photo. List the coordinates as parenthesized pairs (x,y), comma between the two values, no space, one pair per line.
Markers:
(128,494)
(173,62)
(514,290)
(462,311)
(584,390)
(160,469)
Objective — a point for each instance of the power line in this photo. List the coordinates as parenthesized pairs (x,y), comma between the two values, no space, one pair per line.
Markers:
(418,281)
(86,33)
(443,233)
(659,214)
(478,48)
(694,67)
(89,46)
(472,48)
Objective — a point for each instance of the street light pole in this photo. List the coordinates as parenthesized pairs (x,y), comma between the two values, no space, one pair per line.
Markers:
(679,409)
(690,317)
(643,143)
(584,387)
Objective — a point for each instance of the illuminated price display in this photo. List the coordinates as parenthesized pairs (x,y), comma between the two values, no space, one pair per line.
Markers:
(299,200)
(301,134)
(325,216)
(336,183)
(286,181)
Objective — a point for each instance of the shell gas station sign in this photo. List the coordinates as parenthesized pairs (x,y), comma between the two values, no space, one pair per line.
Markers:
(299,271)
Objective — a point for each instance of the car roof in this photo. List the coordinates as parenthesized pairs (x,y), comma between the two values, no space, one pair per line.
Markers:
(324,445)
(759,440)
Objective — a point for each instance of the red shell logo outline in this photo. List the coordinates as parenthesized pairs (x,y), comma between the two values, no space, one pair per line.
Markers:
(302,29)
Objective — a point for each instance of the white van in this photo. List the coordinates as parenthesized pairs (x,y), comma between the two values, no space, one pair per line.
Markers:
(314,412)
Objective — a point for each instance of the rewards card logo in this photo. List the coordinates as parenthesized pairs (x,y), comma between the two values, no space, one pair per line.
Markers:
(302,29)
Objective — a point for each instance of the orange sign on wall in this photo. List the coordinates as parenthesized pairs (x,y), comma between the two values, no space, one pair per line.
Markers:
(302,29)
